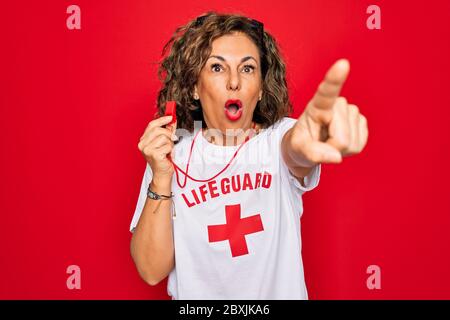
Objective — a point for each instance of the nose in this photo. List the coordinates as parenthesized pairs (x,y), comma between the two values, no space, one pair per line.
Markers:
(233,81)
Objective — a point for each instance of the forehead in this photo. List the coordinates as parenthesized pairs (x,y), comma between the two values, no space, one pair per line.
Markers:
(234,46)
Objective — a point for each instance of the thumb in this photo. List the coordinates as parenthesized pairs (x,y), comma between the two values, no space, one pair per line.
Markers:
(321,152)
(171,110)
(173,128)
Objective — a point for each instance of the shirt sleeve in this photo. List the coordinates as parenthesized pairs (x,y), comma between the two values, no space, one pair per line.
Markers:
(142,197)
(312,179)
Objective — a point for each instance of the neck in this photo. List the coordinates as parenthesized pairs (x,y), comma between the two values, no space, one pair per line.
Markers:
(218,138)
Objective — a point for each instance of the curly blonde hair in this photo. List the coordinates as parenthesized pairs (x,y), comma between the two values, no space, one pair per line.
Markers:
(190,47)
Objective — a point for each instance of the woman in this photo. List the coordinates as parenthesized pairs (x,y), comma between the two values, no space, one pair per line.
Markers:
(226,224)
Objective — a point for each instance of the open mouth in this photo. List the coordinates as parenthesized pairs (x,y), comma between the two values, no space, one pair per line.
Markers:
(233,109)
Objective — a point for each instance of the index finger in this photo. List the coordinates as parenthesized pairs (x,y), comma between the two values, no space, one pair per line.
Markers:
(330,88)
(161,121)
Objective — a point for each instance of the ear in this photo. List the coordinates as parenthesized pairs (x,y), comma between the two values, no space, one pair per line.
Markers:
(195,94)
(260,95)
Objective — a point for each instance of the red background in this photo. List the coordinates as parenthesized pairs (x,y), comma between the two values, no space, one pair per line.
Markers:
(75,102)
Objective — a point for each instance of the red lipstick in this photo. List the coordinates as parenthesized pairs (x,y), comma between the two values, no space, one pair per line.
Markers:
(233,109)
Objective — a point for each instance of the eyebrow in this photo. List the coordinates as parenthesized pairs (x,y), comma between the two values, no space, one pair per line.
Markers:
(242,60)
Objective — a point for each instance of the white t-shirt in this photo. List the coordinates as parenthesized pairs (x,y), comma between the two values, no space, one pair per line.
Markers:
(238,235)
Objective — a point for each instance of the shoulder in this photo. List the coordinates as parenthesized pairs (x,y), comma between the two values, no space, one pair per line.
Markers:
(280,127)
(284,122)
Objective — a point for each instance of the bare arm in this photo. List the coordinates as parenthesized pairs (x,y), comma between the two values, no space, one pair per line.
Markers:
(291,159)
(152,246)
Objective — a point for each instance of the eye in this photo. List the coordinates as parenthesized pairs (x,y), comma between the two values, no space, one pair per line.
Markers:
(216,67)
(248,68)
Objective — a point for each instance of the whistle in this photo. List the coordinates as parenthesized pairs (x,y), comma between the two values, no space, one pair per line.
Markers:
(171,108)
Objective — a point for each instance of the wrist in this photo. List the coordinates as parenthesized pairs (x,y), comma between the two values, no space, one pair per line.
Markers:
(157,196)
(161,184)
(293,157)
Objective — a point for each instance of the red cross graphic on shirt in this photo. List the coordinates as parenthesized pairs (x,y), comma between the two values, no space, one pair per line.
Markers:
(235,229)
